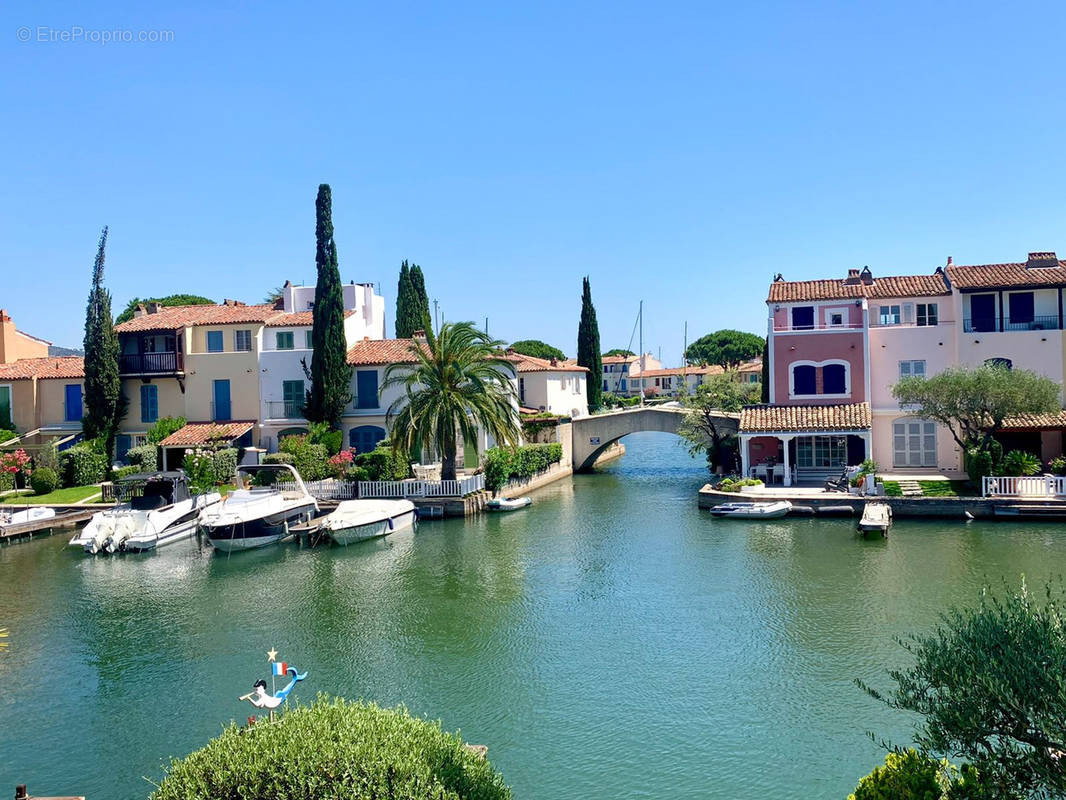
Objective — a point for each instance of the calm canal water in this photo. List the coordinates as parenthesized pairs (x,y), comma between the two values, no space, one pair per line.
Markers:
(611,641)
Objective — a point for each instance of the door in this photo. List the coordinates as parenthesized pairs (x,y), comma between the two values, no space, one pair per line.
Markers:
(365,438)
(366,388)
(913,443)
(293,395)
(221,404)
(73,402)
(982,312)
(122,446)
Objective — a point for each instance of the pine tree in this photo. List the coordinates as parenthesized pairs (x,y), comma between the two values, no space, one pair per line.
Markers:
(421,299)
(405,324)
(330,373)
(588,347)
(104,404)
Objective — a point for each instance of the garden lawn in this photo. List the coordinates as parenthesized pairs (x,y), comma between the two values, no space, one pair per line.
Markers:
(933,489)
(72,494)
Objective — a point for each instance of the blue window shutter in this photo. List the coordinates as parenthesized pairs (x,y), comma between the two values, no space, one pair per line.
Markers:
(149,403)
(222,404)
(73,404)
(366,388)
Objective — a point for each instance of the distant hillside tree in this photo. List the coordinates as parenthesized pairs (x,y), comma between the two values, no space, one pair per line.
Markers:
(538,349)
(588,347)
(619,352)
(418,284)
(702,426)
(169,300)
(274,295)
(330,372)
(726,348)
(104,404)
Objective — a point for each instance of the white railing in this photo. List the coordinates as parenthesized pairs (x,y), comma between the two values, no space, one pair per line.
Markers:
(412,488)
(323,490)
(1025,486)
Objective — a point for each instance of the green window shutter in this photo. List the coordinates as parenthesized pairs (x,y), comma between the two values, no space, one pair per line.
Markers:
(293,394)
(5,408)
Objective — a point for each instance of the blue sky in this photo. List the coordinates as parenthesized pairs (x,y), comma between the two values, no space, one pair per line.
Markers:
(676,153)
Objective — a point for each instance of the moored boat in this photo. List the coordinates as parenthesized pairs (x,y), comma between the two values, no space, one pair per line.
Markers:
(268,499)
(157,509)
(358,520)
(509,503)
(767,510)
(876,519)
(36,514)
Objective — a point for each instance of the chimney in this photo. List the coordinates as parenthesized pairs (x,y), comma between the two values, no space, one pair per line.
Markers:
(853,277)
(1041,260)
(139,311)
(866,276)
(419,336)
(949,261)
(153,308)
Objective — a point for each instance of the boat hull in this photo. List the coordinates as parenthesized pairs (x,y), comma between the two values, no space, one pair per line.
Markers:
(751,510)
(258,532)
(373,530)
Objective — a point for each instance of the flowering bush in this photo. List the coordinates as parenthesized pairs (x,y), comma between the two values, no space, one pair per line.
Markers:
(339,463)
(17,465)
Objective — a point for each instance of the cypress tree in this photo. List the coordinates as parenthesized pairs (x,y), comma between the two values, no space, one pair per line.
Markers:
(404,311)
(330,373)
(421,299)
(588,347)
(102,389)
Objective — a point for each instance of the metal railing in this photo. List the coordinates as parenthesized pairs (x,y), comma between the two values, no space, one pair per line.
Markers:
(412,488)
(323,490)
(1024,486)
(285,409)
(148,363)
(818,325)
(993,324)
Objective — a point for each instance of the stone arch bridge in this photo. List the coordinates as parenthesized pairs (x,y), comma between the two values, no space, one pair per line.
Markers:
(594,434)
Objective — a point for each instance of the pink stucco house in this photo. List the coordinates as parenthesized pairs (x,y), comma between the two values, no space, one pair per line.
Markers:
(837,346)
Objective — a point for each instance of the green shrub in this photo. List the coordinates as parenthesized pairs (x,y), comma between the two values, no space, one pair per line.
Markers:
(310,460)
(733,484)
(124,472)
(382,464)
(83,465)
(44,480)
(6,435)
(145,457)
(7,480)
(356,473)
(909,775)
(224,464)
(1019,462)
(1057,465)
(503,465)
(47,456)
(320,433)
(164,426)
(277,458)
(334,749)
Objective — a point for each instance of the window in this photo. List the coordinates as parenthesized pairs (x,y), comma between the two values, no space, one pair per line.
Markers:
(242,341)
(149,403)
(5,408)
(927,314)
(803,318)
(292,393)
(214,341)
(804,380)
(1021,308)
(72,410)
(366,388)
(913,443)
(623,384)
(1005,363)
(836,318)
(365,438)
(821,451)
(605,386)
(912,369)
(889,315)
(307,341)
(834,379)
(283,340)
(522,389)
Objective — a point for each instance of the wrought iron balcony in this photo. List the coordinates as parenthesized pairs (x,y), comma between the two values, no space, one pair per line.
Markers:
(995,324)
(285,409)
(150,363)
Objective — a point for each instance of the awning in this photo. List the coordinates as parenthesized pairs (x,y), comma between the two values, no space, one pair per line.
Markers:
(195,434)
(771,419)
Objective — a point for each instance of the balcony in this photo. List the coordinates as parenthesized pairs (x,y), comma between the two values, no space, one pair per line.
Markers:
(151,363)
(995,324)
(285,409)
(788,327)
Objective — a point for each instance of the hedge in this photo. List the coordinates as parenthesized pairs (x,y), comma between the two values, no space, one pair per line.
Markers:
(82,466)
(503,465)
(334,749)
(382,464)
(145,457)
(310,460)
(224,462)
(43,481)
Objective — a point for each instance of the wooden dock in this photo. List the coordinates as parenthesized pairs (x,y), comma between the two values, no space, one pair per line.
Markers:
(876,519)
(69,515)
(20,794)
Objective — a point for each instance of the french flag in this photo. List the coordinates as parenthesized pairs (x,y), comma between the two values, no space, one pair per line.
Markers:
(280,668)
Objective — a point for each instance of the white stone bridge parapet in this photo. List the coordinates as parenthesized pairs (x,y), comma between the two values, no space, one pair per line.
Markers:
(593,434)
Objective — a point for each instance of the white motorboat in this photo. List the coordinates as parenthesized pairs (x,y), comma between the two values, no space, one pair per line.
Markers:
(156,510)
(269,498)
(356,520)
(509,503)
(768,510)
(35,514)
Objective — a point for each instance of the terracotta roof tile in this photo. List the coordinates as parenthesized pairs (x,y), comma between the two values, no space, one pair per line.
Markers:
(57,367)
(197,433)
(710,369)
(377,352)
(982,276)
(524,363)
(1035,421)
(174,317)
(295,319)
(888,286)
(799,419)
(619,359)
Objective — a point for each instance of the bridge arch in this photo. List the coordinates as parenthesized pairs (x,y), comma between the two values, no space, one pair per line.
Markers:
(592,435)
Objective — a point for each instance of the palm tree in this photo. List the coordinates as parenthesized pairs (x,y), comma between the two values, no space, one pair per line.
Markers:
(456,381)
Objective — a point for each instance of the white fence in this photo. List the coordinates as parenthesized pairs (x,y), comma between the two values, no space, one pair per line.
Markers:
(323,490)
(1026,486)
(457,488)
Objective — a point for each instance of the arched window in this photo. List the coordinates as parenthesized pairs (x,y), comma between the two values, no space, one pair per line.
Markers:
(834,379)
(365,438)
(913,442)
(1006,363)
(804,380)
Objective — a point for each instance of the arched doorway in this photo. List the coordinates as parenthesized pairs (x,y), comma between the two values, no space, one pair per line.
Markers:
(365,438)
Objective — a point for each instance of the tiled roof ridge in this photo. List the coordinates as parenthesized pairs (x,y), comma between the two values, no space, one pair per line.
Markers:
(43,367)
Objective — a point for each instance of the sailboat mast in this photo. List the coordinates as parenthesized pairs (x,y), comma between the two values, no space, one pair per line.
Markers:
(640,316)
